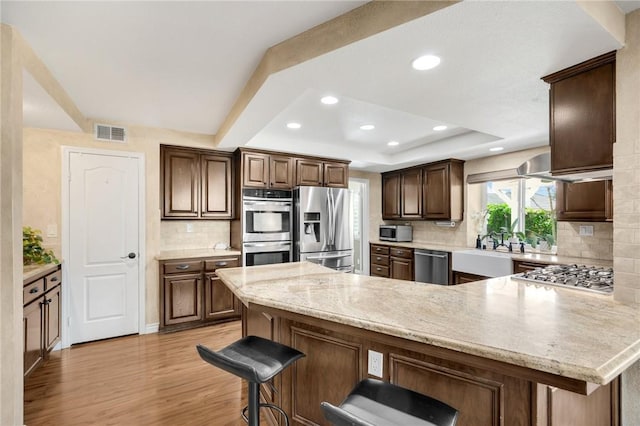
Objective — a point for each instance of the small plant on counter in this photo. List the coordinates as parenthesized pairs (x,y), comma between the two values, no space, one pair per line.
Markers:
(32,250)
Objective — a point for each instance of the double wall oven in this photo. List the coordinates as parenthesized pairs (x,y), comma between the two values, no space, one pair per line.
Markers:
(266,226)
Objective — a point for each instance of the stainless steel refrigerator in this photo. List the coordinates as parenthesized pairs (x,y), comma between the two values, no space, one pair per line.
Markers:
(322,227)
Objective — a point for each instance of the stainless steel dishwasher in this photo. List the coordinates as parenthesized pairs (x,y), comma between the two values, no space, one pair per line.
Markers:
(431,266)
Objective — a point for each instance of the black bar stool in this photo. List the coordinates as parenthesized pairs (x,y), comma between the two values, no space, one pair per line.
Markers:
(256,360)
(377,403)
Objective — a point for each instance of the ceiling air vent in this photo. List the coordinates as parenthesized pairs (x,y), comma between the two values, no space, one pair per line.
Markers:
(110,133)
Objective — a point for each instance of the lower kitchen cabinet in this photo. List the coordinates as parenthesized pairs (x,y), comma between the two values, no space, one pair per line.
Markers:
(192,295)
(41,318)
(464,277)
(391,262)
(525,265)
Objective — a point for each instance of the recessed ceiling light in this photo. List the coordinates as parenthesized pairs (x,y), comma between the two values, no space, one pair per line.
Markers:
(440,128)
(496,149)
(393,143)
(329,100)
(425,62)
(294,125)
(367,127)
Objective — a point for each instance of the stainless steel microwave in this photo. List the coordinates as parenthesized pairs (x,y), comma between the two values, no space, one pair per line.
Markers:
(397,233)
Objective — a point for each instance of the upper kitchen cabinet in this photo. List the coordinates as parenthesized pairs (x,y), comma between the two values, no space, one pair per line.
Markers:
(314,172)
(391,201)
(195,184)
(582,116)
(262,170)
(585,201)
(432,191)
(443,190)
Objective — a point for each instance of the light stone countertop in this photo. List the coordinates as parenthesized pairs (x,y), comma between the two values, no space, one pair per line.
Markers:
(194,253)
(531,257)
(30,271)
(569,333)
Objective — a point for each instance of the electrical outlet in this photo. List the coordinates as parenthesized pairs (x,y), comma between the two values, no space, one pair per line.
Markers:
(375,363)
(586,231)
(189,227)
(52,230)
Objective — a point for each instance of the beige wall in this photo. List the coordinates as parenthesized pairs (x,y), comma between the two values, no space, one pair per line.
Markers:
(626,196)
(43,189)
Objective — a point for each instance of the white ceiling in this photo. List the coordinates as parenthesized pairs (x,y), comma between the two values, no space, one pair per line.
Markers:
(181,65)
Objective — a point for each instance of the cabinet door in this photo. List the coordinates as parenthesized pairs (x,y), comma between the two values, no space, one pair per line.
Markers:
(411,194)
(401,269)
(218,299)
(281,172)
(582,119)
(583,201)
(33,335)
(309,172)
(391,196)
(216,188)
(52,315)
(255,172)
(436,192)
(463,277)
(182,298)
(336,175)
(180,183)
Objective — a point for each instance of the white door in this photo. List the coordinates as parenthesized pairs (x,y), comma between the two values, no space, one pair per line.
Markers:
(103,246)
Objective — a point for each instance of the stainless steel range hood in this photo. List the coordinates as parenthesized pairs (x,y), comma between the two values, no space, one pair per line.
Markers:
(540,167)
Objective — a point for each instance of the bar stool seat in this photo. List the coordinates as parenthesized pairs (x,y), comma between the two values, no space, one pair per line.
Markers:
(256,360)
(377,403)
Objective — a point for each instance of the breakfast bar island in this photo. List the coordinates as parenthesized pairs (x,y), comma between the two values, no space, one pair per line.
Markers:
(500,351)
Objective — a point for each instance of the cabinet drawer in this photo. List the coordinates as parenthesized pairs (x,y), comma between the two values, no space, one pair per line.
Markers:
(53,279)
(379,250)
(227,262)
(379,259)
(401,252)
(380,271)
(33,291)
(183,266)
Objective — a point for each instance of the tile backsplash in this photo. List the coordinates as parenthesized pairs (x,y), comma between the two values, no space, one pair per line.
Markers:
(598,246)
(426,231)
(203,233)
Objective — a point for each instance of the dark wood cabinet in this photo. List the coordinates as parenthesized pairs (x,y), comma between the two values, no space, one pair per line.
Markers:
(433,191)
(192,295)
(391,196)
(582,116)
(444,190)
(336,175)
(411,193)
(584,201)
(525,266)
(311,172)
(391,262)
(42,316)
(261,170)
(195,184)
(464,277)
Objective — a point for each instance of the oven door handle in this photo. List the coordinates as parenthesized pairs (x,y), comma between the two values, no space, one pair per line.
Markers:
(266,206)
(337,256)
(266,247)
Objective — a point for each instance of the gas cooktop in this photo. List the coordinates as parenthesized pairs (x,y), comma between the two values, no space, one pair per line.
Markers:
(580,277)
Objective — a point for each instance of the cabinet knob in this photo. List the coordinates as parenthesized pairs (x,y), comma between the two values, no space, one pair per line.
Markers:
(221,263)
(182,267)
(378,269)
(54,279)
(34,290)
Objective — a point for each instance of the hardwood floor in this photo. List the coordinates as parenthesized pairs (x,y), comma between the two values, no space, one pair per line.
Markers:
(154,379)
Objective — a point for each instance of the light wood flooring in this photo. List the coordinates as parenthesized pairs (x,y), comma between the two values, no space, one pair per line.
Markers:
(154,379)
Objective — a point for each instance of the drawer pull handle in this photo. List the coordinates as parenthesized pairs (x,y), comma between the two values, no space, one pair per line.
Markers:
(54,279)
(221,263)
(378,258)
(182,267)
(34,290)
(378,269)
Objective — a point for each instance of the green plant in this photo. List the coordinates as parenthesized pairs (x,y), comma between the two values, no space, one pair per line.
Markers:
(498,218)
(32,250)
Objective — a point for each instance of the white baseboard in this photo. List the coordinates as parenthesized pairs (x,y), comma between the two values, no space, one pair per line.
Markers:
(152,328)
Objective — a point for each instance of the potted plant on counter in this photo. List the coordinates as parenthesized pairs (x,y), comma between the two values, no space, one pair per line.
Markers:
(32,250)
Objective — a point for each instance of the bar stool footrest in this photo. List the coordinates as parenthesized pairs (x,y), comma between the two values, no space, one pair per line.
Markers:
(270,406)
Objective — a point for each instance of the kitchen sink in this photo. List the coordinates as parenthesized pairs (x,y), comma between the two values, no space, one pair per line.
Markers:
(482,262)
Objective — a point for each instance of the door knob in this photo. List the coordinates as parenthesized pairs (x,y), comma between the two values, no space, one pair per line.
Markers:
(131,255)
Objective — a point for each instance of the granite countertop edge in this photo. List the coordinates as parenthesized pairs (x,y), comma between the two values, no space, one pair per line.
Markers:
(196,253)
